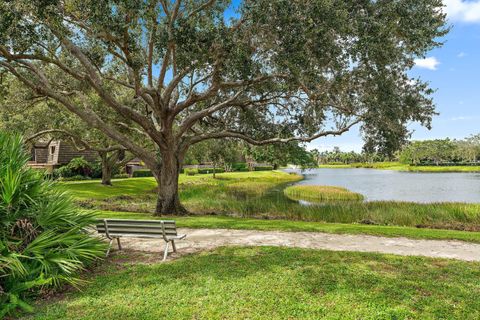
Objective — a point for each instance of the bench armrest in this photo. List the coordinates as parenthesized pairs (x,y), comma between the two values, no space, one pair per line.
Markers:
(107,234)
(163,231)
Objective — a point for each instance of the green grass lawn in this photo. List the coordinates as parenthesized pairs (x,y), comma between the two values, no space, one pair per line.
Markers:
(274,283)
(92,189)
(405,167)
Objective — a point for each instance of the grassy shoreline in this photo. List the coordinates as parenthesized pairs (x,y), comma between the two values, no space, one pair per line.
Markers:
(397,166)
(244,200)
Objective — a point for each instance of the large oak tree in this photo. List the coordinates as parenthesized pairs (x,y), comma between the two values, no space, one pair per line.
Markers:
(272,71)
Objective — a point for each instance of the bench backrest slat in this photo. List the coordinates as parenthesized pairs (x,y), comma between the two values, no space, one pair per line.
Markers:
(120,227)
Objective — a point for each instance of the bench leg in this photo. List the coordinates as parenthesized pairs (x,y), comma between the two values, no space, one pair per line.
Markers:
(109,247)
(165,254)
(173,246)
(119,245)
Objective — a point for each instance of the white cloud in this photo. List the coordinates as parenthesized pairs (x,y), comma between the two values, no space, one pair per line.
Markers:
(461,54)
(430,63)
(462,10)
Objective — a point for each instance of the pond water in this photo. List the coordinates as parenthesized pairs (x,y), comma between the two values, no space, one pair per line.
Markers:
(400,186)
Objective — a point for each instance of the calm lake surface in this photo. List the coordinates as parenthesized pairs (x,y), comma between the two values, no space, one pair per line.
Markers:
(400,186)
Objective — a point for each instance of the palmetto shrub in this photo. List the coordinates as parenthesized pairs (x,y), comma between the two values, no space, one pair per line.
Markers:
(43,237)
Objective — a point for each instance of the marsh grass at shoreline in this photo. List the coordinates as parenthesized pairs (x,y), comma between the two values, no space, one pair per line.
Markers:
(319,194)
(260,195)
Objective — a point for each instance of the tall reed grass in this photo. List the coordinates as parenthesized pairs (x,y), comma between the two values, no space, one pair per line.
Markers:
(321,193)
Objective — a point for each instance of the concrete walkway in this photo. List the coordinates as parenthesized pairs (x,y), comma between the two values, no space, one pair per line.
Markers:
(205,239)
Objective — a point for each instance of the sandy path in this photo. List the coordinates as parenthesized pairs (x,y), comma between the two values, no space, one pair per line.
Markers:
(204,239)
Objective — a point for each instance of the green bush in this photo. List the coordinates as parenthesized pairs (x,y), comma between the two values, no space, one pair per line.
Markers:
(263,168)
(210,170)
(43,237)
(96,170)
(76,167)
(240,166)
(142,173)
(190,172)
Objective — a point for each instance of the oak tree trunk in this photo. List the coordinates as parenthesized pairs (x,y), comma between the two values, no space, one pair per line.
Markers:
(168,202)
(106,170)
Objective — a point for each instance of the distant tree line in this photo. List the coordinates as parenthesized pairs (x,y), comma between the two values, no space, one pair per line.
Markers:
(337,156)
(442,151)
(426,152)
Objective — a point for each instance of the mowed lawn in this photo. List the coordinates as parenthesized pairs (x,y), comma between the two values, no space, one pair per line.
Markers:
(139,186)
(274,283)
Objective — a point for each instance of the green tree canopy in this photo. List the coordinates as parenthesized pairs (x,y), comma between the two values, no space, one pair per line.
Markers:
(39,118)
(278,71)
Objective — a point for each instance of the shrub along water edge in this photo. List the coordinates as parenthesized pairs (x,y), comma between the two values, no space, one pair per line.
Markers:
(43,237)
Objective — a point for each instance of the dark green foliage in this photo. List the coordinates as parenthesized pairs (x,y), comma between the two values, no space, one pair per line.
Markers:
(210,170)
(80,169)
(76,167)
(442,152)
(142,173)
(263,168)
(43,237)
(240,166)
(283,154)
(96,170)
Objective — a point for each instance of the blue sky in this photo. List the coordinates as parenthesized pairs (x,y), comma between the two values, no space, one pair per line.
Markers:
(454,71)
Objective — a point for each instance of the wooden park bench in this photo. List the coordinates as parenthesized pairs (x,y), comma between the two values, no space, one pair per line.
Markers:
(120,228)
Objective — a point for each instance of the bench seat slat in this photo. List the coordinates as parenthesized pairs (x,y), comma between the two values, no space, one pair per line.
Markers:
(102,230)
(167,227)
(136,221)
(136,235)
(133,230)
(176,237)
(137,224)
